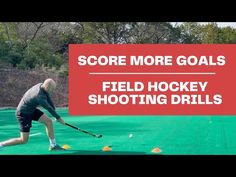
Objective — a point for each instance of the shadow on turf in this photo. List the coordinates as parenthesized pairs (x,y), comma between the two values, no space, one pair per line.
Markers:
(84,152)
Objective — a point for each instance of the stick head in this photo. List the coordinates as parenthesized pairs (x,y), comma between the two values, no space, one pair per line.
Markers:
(98,136)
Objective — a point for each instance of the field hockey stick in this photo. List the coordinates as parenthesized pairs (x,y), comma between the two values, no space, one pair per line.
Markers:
(84,131)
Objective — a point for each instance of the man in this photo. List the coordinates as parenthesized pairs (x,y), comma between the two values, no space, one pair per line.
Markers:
(27,111)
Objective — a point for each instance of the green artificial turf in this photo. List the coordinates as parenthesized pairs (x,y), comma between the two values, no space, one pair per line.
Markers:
(174,135)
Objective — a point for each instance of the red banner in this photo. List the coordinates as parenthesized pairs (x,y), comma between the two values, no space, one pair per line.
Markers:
(152,79)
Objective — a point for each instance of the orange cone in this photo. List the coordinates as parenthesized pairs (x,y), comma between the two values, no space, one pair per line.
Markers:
(156,150)
(106,148)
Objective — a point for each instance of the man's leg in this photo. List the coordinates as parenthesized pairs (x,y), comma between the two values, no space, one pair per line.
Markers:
(48,124)
(23,139)
(50,131)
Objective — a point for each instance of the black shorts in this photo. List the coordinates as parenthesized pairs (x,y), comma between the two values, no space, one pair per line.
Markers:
(25,120)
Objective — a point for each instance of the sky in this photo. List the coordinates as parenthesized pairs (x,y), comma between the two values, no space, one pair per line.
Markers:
(225,24)
(220,24)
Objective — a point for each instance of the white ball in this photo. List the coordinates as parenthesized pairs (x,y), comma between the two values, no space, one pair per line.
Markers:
(130,135)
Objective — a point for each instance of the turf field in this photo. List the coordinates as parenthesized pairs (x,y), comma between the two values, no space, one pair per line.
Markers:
(174,135)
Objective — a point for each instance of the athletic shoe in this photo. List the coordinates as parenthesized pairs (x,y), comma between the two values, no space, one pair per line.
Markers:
(56,148)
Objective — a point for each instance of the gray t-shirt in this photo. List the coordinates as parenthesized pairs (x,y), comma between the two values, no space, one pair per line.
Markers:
(34,97)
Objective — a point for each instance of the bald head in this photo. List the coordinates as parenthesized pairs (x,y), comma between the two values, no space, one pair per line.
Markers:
(49,85)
